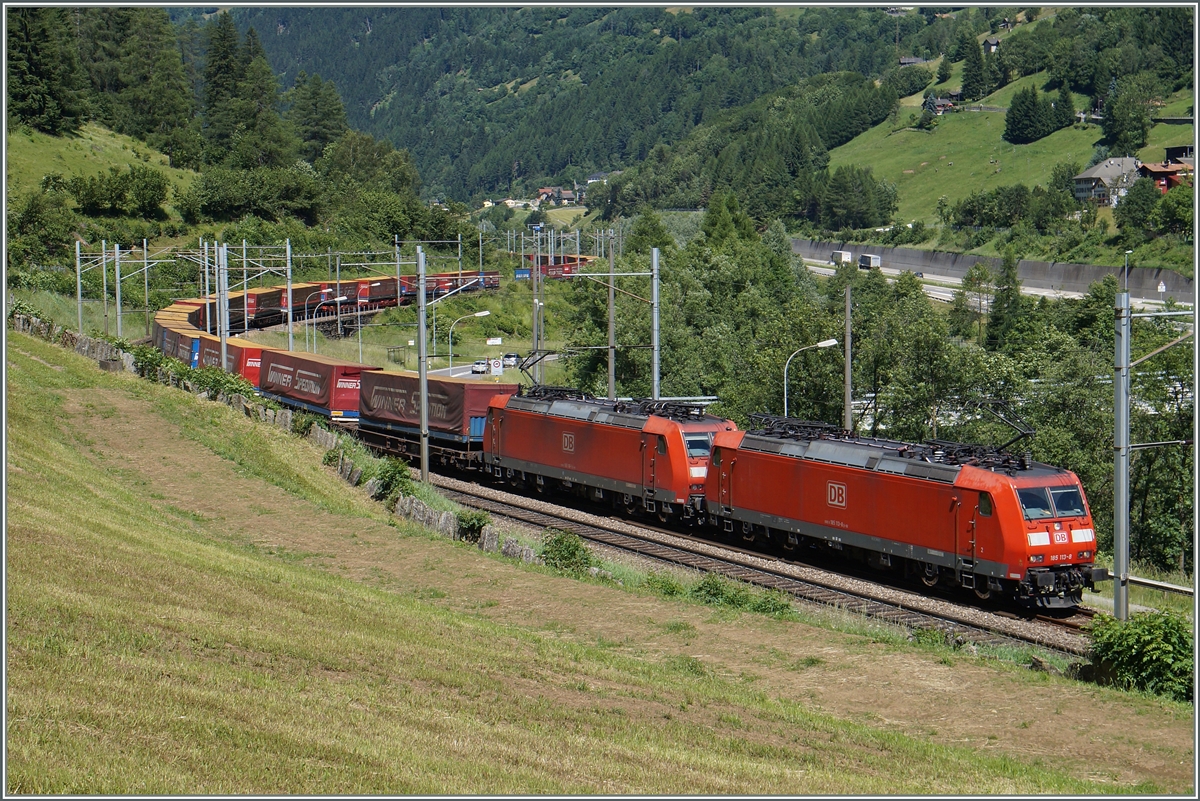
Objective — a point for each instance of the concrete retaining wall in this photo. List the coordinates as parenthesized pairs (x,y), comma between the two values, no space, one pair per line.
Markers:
(1143,282)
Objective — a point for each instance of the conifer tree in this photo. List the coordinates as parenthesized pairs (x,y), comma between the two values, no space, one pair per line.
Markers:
(974,82)
(943,73)
(317,114)
(222,72)
(44,77)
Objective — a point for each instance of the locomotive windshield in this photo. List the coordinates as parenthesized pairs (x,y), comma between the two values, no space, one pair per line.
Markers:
(699,443)
(1037,502)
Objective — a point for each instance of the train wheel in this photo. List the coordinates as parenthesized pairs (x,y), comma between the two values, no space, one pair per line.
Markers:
(928,578)
(983,593)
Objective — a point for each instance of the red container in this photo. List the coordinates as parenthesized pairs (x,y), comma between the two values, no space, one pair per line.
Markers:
(391,401)
(241,356)
(317,383)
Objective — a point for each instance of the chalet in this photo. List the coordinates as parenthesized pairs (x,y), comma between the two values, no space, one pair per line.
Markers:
(1165,176)
(938,105)
(991,44)
(598,177)
(908,61)
(1105,182)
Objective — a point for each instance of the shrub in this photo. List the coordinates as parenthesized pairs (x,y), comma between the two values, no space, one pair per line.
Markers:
(772,602)
(664,584)
(565,552)
(394,479)
(716,591)
(1151,651)
(302,423)
(471,523)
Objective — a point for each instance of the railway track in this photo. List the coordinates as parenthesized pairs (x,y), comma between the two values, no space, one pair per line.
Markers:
(959,625)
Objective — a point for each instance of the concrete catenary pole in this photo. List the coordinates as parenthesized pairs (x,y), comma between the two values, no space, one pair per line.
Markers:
(289,292)
(117,273)
(223,284)
(1121,453)
(422,367)
(78,287)
(104,281)
(146,284)
(654,338)
(848,397)
(612,323)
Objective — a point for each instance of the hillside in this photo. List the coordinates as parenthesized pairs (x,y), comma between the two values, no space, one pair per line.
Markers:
(30,155)
(195,605)
(966,153)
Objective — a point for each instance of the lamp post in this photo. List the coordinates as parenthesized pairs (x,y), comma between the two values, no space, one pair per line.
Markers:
(483,313)
(306,300)
(1127,269)
(338,299)
(359,310)
(825,343)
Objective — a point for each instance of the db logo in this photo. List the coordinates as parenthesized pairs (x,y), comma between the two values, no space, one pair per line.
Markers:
(836,494)
(568,442)
(1060,536)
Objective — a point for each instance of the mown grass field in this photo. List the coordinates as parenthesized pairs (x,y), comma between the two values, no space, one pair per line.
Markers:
(964,154)
(158,643)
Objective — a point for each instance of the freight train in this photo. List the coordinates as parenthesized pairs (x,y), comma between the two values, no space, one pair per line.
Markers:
(939,513)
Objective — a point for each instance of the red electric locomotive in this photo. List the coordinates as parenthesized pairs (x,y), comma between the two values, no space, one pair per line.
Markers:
(647,456)
(950,515)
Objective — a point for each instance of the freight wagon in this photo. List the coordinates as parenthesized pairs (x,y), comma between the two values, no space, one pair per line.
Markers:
(390,414)
(242,356)
(319,384)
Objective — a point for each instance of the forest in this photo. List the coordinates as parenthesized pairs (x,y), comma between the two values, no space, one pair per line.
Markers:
(286,138)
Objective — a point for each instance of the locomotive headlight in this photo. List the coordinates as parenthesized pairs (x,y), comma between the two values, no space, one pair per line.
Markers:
(1037,558)
(1085,554)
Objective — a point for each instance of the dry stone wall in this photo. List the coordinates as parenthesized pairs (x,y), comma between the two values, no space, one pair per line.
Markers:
(110,357)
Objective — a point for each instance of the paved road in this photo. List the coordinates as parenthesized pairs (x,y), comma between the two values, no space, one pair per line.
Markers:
(943,287)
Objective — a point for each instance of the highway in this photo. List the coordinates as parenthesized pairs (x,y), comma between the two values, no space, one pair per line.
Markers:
(943,287)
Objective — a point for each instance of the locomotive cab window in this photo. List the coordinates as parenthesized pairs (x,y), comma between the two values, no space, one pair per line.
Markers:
(1035,502)
(985,504)
(716,457)
(1068,501)
(698,444)
(662,444)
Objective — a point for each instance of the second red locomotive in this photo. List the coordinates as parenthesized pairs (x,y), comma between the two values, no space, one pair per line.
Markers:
(649,456)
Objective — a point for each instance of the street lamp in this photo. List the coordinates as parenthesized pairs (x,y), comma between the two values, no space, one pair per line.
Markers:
(306,300)
(316,309)
(825,343)
(359,310)
(1127,269)
(483,313)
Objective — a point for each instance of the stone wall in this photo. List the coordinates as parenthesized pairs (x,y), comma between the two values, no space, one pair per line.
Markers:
(111,357)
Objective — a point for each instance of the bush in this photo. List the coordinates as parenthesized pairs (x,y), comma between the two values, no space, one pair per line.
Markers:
(716,591)
(1151,651)
(471,523)
(302,422)
(772,602)
(664,584)
(565,552)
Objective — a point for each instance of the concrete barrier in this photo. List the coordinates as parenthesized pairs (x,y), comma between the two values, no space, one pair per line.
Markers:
(1065,276)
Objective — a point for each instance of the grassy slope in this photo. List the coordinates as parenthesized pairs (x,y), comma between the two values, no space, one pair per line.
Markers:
(149,652)
(31,155)
(964,154)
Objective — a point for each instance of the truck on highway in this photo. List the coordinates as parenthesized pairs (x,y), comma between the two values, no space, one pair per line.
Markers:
(867,261)
(842,257)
